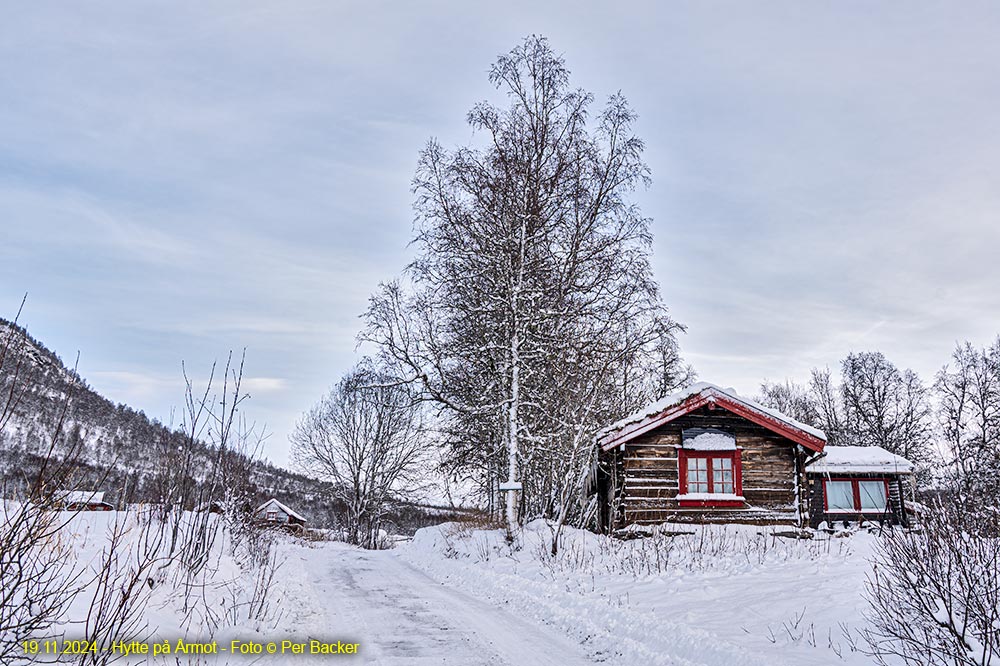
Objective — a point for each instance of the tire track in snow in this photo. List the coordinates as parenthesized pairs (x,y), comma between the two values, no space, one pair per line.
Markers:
(401,616)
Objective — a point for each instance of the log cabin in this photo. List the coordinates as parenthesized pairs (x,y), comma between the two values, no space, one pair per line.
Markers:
(704,454)
(708,455)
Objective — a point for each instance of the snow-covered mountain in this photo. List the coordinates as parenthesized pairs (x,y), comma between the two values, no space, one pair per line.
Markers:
(121,445)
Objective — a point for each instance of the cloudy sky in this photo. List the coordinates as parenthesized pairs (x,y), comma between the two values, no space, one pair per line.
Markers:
(178,179)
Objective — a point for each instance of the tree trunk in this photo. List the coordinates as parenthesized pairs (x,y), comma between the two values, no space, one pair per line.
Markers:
(512,445)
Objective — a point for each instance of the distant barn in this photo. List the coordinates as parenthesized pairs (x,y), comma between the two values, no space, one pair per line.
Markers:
(275,513)
(81,500)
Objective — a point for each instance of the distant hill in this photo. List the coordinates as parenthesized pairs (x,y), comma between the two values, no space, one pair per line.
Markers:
(120,445)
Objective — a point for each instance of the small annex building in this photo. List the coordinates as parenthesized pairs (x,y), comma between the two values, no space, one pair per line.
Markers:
(708,455)
(274,512)
(854,483)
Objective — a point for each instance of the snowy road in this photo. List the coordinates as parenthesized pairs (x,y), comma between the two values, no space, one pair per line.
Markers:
(401,616)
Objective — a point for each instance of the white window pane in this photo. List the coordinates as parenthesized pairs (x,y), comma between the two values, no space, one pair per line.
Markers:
(723,463)
(697,475)
(872,495)
(840,495)
(697,468)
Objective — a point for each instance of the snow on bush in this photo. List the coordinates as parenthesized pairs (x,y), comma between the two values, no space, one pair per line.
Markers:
(936,591)
(126,576)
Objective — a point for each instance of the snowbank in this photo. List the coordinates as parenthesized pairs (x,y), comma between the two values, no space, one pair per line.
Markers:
(716,595)
(228,601)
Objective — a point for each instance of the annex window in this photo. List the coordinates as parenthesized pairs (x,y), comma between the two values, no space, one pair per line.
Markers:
(856,495)
(710,478)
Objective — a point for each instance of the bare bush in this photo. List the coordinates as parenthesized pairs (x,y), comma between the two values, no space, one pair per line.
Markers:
(935,593)
(687,548)
(121,585)
(199,536)
(38,575)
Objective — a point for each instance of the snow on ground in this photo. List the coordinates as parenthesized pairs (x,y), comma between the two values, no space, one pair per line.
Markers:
(222,603)
(401,616)
(711,596)
(721,596)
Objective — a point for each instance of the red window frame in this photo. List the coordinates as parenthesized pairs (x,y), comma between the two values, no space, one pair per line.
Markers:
(734,455)
(856,491)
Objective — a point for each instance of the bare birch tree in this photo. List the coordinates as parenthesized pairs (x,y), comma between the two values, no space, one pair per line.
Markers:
(968,392)
(886,407)
(531,283)
(365,436)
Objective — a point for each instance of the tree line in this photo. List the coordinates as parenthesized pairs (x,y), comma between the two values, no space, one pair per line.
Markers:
(954,419)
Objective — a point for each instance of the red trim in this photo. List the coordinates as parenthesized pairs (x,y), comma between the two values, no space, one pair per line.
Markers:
(798,436)
(738,504)
(737,465)
(633,430)
(856,489)
(711,397)
(738,472)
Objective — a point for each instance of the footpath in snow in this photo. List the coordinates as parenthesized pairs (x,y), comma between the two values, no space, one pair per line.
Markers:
(400,615)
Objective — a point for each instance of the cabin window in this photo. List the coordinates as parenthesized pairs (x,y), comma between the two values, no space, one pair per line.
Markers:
(707,473)
(840,496)
(272,516)
(872,495)
(856,495)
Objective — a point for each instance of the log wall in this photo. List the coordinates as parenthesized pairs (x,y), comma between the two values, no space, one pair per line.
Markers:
(648,474)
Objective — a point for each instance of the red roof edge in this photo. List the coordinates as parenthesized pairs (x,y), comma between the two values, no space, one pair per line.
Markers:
(633,430)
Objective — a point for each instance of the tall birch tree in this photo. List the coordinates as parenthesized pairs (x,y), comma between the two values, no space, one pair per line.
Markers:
(530,314)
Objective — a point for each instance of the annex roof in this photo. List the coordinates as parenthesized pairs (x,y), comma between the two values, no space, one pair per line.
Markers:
(282,507)
(698,395)
(860,460)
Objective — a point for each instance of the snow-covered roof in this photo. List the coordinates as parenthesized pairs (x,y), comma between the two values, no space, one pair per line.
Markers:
(860,460)
(80,496)
(710,392)
(282,507)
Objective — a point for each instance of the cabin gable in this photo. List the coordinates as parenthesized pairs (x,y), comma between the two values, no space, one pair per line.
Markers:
(274,512)
(652,469)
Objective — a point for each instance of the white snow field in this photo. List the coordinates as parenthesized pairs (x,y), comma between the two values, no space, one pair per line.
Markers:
(400,615)
(722,596)
(716,596)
